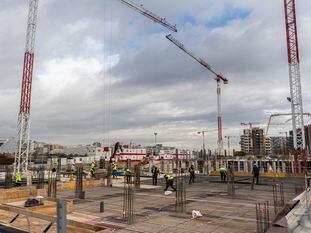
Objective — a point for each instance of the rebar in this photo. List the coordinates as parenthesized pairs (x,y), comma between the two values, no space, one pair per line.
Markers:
(307,187)
(79,183)
(8,182)
(231,187)
(262,216)
(278,196)
(137,176)
(298,189)
(52,183)
(40,178)
(180,203)
(128,200)
(109,173)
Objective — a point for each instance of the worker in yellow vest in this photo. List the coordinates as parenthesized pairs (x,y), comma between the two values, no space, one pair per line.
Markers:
(114,170)
(92,169)
(18,179)
(169,182)
(223,173)
(128,174)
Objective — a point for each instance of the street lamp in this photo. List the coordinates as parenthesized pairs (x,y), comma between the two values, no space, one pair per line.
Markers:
(155,138)
(202,132)
(228,137)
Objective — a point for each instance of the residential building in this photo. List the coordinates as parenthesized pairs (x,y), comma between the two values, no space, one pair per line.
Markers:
(252,141)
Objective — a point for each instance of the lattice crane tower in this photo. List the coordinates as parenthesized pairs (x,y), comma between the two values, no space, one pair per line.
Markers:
(22,153)
(294,81)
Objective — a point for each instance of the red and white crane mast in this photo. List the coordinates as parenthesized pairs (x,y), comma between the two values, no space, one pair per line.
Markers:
(295,82)
(219,78)
(22,153)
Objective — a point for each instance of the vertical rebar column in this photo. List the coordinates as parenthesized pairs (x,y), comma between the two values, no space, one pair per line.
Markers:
(52,183)
(137,176)
(278,196)
(262,216)
(79,183)
(40,178)
(231,187)
(8,177)
(307,188)
(128,200)
(298,189)
(109,173)
(180,203)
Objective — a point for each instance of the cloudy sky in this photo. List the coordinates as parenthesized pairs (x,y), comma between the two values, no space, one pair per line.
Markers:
(104,72)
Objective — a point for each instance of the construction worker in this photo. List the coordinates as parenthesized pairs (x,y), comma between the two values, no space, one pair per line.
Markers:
(18,179)
(71,177)
(92,169)
(223,173)
(114,170)
(192,174)
(255,173)
(155,171)
(169,182)
(128,174)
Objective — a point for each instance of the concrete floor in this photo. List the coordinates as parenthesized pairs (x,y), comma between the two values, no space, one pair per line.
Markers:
(155,212)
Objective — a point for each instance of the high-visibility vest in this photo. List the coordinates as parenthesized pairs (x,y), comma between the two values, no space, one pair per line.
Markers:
(128,172)
(222,169)
(18,177)
(170,177)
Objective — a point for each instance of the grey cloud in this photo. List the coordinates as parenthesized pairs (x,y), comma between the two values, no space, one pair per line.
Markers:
(155,86)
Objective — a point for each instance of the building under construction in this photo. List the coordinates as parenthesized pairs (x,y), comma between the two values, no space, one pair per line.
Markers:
(127,188)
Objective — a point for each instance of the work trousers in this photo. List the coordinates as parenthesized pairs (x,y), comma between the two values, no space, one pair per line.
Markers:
(169,183)
(257,178)
(155,179)
(223,175)
(191,179)
(128,179)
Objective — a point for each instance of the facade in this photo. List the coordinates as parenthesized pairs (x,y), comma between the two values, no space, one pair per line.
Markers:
(252,141)
(246,142)
(81,154)
(258,141)
(279,145)
(132,154)
(268,146)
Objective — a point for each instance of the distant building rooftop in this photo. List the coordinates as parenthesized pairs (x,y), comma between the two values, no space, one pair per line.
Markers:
(8,146)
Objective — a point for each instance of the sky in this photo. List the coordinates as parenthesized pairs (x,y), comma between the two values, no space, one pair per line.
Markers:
(103,72)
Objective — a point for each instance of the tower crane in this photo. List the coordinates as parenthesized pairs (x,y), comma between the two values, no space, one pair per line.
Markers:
(22,153)
(280,114)
(149,14)
(218,78)
(295,83)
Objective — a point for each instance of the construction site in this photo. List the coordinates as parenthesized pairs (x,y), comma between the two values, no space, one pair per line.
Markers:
(113,186)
